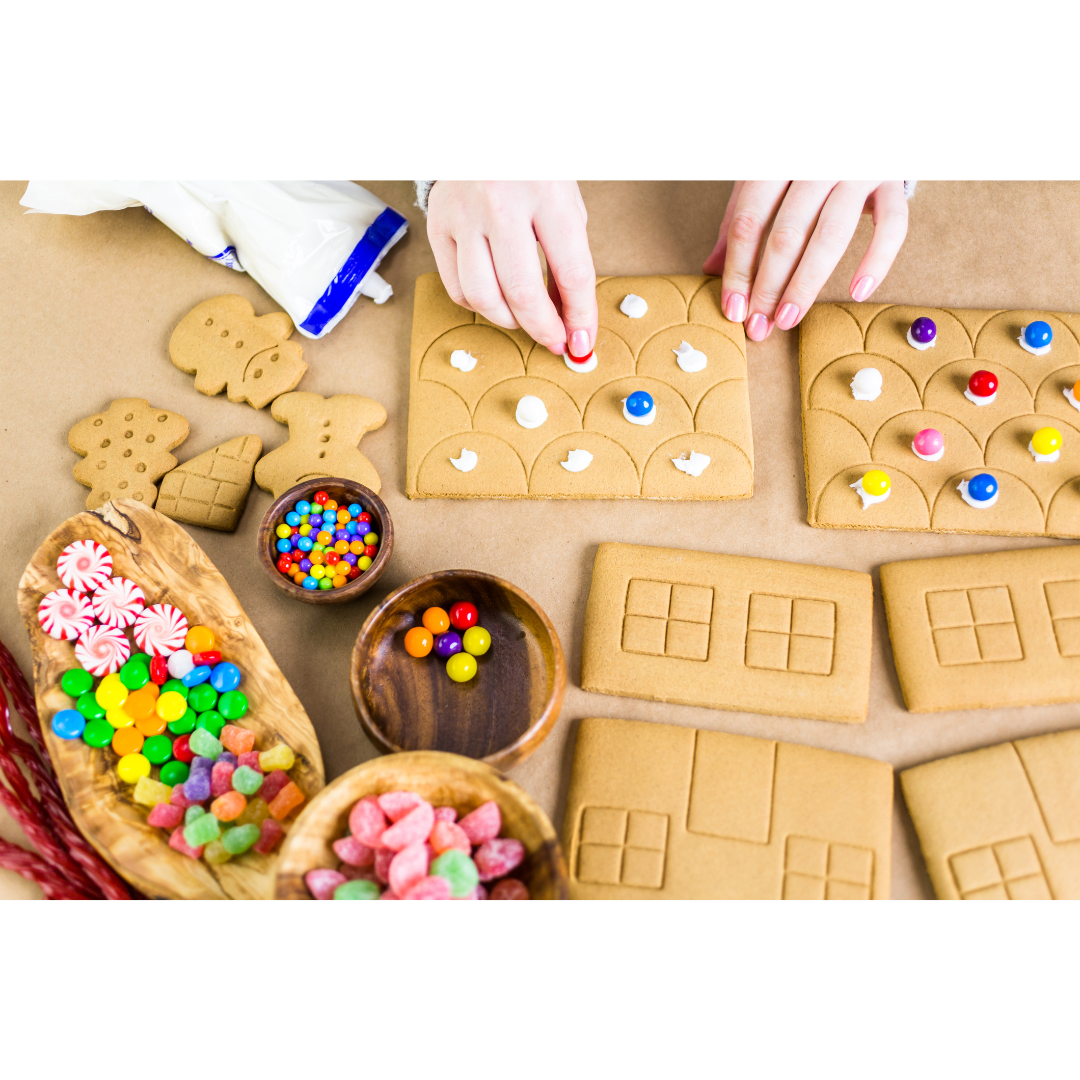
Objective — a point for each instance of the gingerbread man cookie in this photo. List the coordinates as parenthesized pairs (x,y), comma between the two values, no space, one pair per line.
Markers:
(323,435)
(125,450)
(225,347)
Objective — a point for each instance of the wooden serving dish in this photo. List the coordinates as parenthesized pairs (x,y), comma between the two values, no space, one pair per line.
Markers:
(501,715)
(340,490)
(442,779)
(170,567)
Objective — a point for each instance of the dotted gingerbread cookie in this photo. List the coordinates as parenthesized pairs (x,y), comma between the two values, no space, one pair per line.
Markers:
(224,345)
(125,450)
(323,435)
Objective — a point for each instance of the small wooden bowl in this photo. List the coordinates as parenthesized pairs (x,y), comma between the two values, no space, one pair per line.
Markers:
(343,492)
(501,715)
(442,779)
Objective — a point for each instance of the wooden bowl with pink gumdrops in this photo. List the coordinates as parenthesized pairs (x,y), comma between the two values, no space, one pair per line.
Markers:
(321,834)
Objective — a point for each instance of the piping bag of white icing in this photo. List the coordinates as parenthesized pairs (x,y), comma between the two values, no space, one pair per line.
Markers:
(313,245)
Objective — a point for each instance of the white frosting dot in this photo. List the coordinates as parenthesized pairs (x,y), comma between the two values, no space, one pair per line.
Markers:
(531,412)
(462,360)
(633,306)
(465,463)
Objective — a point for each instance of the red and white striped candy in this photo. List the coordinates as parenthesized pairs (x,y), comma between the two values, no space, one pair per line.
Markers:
(102,650)
(160,630)
(65,614)
(84,565)
(118,602)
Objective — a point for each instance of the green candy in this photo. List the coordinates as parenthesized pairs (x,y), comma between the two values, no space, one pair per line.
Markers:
(240,838)
(178,686)
(185,725)
(134,675)
(193,813)
(140,658)
(325,583)
(174,772)
(202,697)
(205,745)
(98,733)
(459,870)
(157,749)
(211,721)
(232,704)
(88,706)
(246,780)
(356,890)
(75,682)
(202,830)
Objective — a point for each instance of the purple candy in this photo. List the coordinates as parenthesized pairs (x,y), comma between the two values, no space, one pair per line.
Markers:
(197,786)
(341,534)
(350,558)
(447,644)
(226,755)
(363,528)
(305,565)
(923,330)
(201,763)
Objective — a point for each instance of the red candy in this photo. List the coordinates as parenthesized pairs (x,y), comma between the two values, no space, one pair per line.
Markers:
(483,823)
(250,759)
(371,551)
(367,823)
(284,564)
(496,858)
(414,827)
(159,670)
(221,778)
(321,498)
(270,834)
(409,866)
(178,798)
(211,658)
(429,888)
(273,784)
(383,858)
(365,516)
(322,883)
(446,836)
(463,615)
(178,843)
(181,749)
(165,816)
(983,383)
(396,804)
(358,873)
(445,813)
(354,852)
(510,889)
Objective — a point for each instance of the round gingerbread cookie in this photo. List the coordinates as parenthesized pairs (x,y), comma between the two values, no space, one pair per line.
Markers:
(65,614)
(160,630)
(84,565)
(118,602)
(102,650)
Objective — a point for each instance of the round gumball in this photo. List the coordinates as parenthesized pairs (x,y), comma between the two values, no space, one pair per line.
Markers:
(418,641)
(446,645)
(463,615)
(436,620)
(875,482)
(476,641)
(983,384)
(1046,441)
(461,667)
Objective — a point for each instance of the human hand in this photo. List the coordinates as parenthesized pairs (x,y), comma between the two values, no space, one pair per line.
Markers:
(773,282)
(484,235)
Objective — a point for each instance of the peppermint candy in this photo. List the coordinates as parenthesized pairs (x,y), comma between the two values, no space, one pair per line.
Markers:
(160,630)
(118,602)
(65,614)
(102,650)
(85,565)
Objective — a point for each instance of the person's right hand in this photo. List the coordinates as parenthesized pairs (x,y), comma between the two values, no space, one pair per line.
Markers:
(484,235)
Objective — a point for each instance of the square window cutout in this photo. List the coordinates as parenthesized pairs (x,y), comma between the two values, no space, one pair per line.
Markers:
(643,868)
(991,605)
(948,608)
(1067,632)
(689,641)
(810,655)
(849,863)
(691,603)
(649,598)
(603,825)
(647,830)
(1063,599)
(1018,858)
(766,650)
(772,613)
(641,635)
(801,887)
(805,855)
(999,641)
(599,865)
(975,869)
(957,646)
(816,618)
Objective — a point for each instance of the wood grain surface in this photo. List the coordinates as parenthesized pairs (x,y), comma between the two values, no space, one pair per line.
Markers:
(170,567)
(501,714)
(442,779)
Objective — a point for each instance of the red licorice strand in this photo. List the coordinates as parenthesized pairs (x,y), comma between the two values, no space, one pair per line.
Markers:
(21,695)
(34,868)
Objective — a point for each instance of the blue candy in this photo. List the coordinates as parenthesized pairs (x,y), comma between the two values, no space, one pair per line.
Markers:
(305,543)
(68,724)
(303,507)
(226,676)
(1038,334)
(982,487)
(639,403)
(350,528)
(311,583)
(284,545)
(292,518)
(355,509)
(197,675)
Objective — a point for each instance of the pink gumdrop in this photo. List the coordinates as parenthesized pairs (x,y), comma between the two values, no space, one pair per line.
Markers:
(354,852)
(221,778)
(322,883)
(165,816)
(479,893)
(178,798)
(178,843)
(482,824)
(250,759)
(356,873)
(409,866)
(445,813)
(446,835)
(396,804)
(367,822)
(389,894)
(429,888)
(414,827)
(510,889)
(496,858)
(928,441)
(383,858)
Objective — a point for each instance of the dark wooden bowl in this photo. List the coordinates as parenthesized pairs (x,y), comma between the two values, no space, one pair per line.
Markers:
(338,489)
(501,715)
(442,779)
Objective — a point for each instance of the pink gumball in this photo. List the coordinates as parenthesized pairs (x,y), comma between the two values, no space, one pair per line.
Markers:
(928,442)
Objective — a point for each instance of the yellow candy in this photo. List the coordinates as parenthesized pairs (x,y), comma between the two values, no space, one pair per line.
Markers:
(364,562)
(317,571)
(875,482)
(111,692)
(371,538)
(171,706)
(215,854)
(1046,440)
(305,529)
(131,768)
(283,531)
(149,792)
(199,639)
(277,757)
(118,718)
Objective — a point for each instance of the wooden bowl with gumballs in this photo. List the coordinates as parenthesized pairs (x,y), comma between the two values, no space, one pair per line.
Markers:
(345,493)
(442,780)
(504,709)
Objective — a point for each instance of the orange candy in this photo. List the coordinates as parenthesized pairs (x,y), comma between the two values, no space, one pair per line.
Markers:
(199,639)
(150,725)
(330,505)
(436,620)
(339,581)
(140,704)
(150,688)
(316,556)
(418,641)
(284,802)
(356,547)
(127,740)
(237,739)
(341,546)
(230,805)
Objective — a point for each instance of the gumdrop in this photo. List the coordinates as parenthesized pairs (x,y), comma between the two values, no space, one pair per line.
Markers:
(285,801)
(193,813)
(459,870)
(480,893)
(429,888)
(510,889)
(322,883)
(178,798)
(228,757)
(357,873)
(483,823)
(354,852)
(221,778)
(270,834)
(446,836)
(357,890)
(408,867)
(229,806)
(237,739)
(216,853)
(496,858)
(197,786)
(204,744)
(202,830)
(151,792)
(445,813)
(237,840)
(251,760)
(178,843)
(389,894)
(367,822)
(396,804)
(274,782)
(165,816)
(383,858)
(246,780)
(414,827)
(202,764)
(277,757)
(255,813)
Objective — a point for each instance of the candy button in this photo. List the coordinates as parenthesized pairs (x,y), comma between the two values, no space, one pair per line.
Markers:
(418,641)
(923,331)
(928,444)
(448,644)
(476,641)
(118,718)
(174,772)
(89,707)
(211,721)
(170,706)
(436,620)
(875,482)
(98,733)
(111,692)
(196,676)
(982,387)
(135,674)
(68,724)
(1038,335)
(150,725)
(186,724)
(639,408)
(198,639)
(177,687)
(139,705)
(232,705)
(127,740)
(461,667)
(157,750)
(75,682)
(982,487)
(131,768)
(202,697)
(463,615)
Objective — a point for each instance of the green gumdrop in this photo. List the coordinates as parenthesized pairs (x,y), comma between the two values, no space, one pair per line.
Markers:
(201,831)
(459,870)
(232,704)
(204,744)
(75,682)
(239,839)
(178,686)
(174,772)
(202,697)
(246,780)
(216,854)
(134,675)
(357,890)
(193,813)
(98,733)
(88,706)
(185,725)
(211,721)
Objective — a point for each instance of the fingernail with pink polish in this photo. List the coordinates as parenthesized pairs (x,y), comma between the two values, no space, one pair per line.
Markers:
(579,343)
(757,327)
(736,307)
(863,288)
(788,317)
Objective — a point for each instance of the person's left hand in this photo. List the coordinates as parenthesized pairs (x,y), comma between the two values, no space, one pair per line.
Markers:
(772,282)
